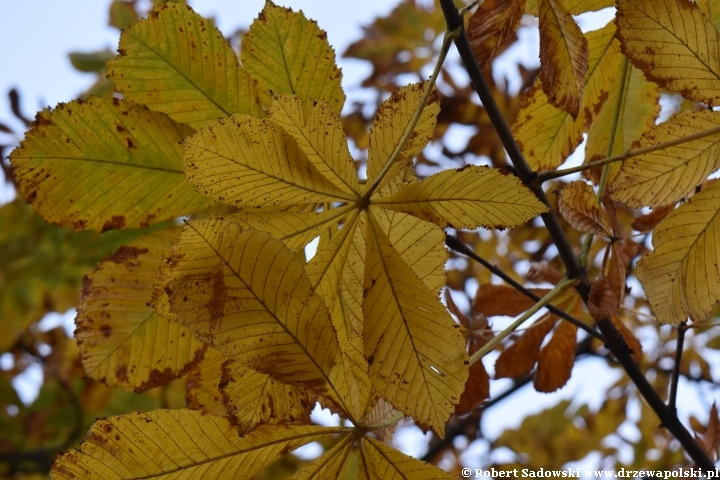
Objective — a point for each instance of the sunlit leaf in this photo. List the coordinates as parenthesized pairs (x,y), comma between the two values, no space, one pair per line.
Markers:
(681,276)
(579,207)
(388,463)
(123,342)
(175,444)
(287,53)
(563,57)
(663,176)
(102,165)
(673,44)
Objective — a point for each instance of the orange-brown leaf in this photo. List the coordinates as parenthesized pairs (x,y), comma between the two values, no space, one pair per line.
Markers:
(620,255)
(603,301)
(477,389)
(556,359)
(563,57)
(580,208)
(492,27)
(493,299)
(648,222)
(519,359)
(632,342)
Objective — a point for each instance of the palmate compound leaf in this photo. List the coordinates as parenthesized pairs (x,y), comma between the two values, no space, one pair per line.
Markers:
(674,45)
(339,273)
(248,296)
(285,52)
(681,276)
(101,165)
(563,57)
(661,177)
(175,444)
(179,63)
(123,342)
(548,135)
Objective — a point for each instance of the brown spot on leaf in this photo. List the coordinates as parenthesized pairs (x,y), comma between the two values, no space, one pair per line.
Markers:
(106,330)
(126,253)
(121,373)
(117,222)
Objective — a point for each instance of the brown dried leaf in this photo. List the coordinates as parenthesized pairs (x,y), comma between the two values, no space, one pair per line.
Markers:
(477,389)
(710,438)
(520,357)
(381,412)
(632,342)
(493,299)
(563,57)
(580,208)
(543,272)
(556,359)
(647,223)
(620,255)
(603,301)
(492,27)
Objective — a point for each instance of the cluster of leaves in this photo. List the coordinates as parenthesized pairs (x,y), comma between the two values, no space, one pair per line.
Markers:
(253,150)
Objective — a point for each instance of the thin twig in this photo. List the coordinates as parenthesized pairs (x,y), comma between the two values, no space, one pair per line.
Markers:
(672,401)
(614,340)
(447,41)
(551,174)
(455,244)
(562,286)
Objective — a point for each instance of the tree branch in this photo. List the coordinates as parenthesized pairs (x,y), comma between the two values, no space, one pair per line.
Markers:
(456,245)
(672,401)
(613,338)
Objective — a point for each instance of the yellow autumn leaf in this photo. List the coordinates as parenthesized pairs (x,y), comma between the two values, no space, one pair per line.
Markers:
(320,135)
(404,320)
(331,464)
(202,387)
(101,165)
(681,277)
(287,53)
(123,342)
(547,135)
(629,111)
(563,57)
(467,198)
(492,27)
(179,63)
(661,177)
(253,398)
(310,172)
(248,296)
(390,122)
(174,444)
(248,162)
(579,207)
(575,7)
(673,44)
(711,9)
(386,463)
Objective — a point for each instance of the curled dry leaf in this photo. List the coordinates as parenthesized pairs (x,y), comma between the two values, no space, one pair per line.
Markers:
(492,27)
(579,207)
(603,300)
(630,339)
(381,412)
(563,57)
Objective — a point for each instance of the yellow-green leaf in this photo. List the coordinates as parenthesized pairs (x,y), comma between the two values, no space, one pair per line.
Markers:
(663,176)
(123,342)
(247,162)
(467,198)
(681,277)
(178,63)
(249,297)
(253,398)
(288,53)
(319,133)
(392,119)
(102,165)
(673,44)
(415,351)
(563,57)
(629,111)
(388,463)
(175,444)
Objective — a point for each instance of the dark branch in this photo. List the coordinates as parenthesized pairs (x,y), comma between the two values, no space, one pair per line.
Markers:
(672,401)
(455,244)
(613,338)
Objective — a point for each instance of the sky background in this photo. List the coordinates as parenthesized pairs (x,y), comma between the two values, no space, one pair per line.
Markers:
(37,35)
